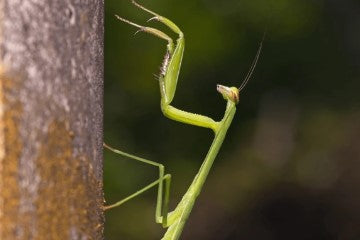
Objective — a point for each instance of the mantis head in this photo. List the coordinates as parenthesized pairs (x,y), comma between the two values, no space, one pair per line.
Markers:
(229,93)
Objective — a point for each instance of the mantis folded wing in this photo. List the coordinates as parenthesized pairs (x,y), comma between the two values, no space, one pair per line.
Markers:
(170,69)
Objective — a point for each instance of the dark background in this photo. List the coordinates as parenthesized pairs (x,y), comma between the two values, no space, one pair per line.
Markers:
(290,165)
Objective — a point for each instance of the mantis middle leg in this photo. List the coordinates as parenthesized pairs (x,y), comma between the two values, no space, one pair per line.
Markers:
(162,202)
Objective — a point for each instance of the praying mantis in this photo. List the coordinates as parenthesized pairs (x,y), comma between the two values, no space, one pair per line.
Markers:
(175,220)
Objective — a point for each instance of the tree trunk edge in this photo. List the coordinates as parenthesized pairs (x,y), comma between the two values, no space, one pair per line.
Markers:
(51,119)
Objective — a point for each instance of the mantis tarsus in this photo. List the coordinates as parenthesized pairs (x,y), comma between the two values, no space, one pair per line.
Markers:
(170,69)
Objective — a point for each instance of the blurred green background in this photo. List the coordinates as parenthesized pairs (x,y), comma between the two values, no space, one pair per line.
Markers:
(289,167)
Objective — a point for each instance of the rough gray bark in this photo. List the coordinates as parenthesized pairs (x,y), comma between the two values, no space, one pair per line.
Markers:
(51,59)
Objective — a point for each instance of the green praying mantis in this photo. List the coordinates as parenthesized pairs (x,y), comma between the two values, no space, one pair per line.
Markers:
(175,220)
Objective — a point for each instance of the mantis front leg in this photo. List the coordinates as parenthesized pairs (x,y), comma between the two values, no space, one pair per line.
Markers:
(170,72)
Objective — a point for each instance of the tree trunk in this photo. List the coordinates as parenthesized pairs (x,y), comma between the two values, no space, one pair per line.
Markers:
(51,91)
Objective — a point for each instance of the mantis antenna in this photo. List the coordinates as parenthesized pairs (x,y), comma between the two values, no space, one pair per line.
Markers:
(175,220)
(253,65)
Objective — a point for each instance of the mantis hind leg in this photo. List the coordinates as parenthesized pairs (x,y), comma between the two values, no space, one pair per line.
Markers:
(163,195)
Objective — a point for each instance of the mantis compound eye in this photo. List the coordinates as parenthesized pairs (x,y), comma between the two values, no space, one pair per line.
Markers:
(229,93)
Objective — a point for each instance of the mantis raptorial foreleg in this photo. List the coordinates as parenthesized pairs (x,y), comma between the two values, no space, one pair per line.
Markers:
(168,78)
(170,71)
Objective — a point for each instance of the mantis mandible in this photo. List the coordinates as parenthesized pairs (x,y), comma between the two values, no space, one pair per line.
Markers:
(174,221)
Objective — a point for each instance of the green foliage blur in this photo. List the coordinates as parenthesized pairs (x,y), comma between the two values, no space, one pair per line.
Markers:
(289,167)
